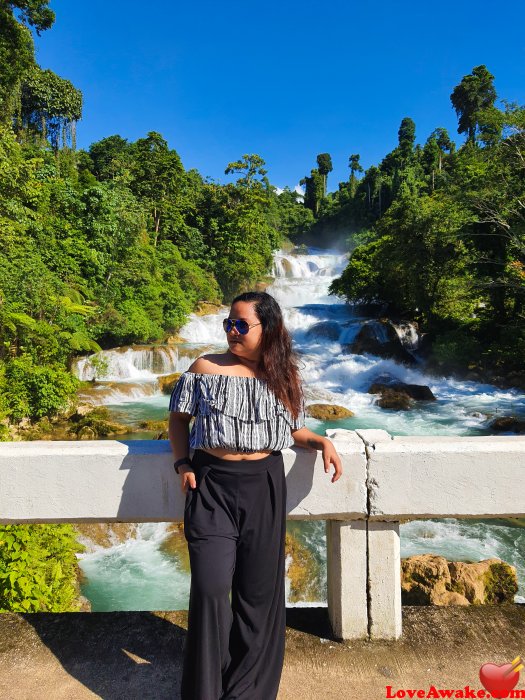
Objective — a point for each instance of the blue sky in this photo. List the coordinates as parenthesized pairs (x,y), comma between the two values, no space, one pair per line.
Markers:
(286,81)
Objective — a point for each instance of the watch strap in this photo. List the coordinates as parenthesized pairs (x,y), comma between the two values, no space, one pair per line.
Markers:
(180,462)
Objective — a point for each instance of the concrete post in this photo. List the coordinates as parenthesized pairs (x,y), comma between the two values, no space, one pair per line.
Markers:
(346,578)
(384,580)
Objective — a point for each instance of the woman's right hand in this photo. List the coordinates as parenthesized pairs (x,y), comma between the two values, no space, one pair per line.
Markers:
(187,478)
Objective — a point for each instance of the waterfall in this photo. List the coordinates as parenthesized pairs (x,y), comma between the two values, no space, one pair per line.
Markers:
(136,575)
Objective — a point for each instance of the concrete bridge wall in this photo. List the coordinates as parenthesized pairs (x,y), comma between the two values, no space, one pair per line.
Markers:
(386,479)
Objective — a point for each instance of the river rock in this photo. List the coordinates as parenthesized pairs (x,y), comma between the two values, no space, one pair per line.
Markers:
(398,395)
(176,546)
(203,308)
(302,570)
(324,329)
(379,337)
(396,400)
(325,411)
(94,535)
(155,425)
(449,598)
(422,577)
(81,603)
(508,424)
(166,382)
(429,579)
(86,433)
(24,424)
(83,409)
(262,284)
(96,423)
(85,604)
(174,339)
(419,392)
(287,265)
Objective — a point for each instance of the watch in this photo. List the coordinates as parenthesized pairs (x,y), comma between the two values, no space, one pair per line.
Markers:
(180,462)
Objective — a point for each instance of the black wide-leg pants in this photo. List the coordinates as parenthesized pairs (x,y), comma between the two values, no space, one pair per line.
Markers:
(235,527)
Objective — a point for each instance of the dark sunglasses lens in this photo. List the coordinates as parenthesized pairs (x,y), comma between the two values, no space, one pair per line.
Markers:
(242,326)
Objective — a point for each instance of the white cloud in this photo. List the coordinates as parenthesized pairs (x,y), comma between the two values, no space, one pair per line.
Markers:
(297,189)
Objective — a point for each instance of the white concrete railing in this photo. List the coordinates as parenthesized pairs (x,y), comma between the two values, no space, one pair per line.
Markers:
(386,479)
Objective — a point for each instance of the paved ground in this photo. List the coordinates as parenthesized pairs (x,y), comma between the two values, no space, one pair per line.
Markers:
(137,655)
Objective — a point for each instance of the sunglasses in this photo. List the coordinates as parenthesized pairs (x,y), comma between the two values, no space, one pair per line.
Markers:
(242,326)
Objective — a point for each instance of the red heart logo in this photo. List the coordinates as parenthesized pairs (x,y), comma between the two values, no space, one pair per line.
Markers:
(498,680)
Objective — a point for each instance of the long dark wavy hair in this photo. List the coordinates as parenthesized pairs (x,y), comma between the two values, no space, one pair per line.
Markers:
(279,363)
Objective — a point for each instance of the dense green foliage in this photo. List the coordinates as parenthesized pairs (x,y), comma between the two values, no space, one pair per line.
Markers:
(38,568)
(439,233)
(109,246)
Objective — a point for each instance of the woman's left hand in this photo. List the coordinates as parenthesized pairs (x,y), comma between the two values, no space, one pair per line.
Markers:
(330,456)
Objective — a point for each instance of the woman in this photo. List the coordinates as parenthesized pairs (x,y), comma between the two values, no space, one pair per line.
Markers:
(248,406)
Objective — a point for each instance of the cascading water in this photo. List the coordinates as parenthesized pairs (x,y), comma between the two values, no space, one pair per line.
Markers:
(322,327)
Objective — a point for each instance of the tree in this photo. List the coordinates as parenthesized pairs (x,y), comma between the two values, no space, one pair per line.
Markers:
(252,167)
(373,182)
(443,140)
(157,176)
(314,188)
(324,163)
(474,93)
(294,219)
(49,106)
(354,164)
(110,157)
(407,137)
(355,167)
(431,158)
(34,12)
(17,51)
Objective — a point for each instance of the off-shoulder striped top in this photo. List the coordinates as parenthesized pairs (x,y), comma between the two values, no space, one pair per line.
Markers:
(238,413)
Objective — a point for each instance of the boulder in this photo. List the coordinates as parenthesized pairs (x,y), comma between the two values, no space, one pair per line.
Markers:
(97,423)
(379,337)
(326,411)
(490,581)
(302,570)
(429,579)
(324,329)
(166,382)
(508,424)
(449,598)
(86,433)
(93,535)
(154,425)
(204,308)
(423,577)
(398,395)
(396,400)
(176,546)
(419,392)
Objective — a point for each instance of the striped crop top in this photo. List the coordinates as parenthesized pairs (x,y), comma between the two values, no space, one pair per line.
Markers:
(238,413)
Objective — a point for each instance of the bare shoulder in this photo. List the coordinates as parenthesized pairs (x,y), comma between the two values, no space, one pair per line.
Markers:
(206,364)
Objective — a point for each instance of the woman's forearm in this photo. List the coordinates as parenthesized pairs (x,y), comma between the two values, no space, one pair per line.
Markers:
(306,438)
(178,435)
